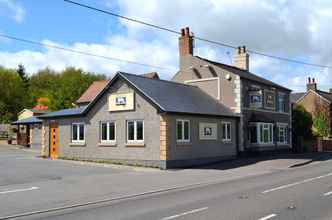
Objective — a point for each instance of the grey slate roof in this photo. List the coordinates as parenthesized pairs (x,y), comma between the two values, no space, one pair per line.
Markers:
(296,96)
(244,74)
(177,97)
(167,96)
(30,120)
(326,95)
(64,112)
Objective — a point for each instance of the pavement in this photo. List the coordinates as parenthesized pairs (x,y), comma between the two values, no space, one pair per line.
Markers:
(277,187)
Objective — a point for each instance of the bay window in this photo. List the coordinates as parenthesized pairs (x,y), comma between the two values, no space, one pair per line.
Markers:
(282,134)
(261,133)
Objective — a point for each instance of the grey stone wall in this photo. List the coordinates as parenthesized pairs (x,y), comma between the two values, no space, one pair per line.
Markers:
(198,149)
(92,148)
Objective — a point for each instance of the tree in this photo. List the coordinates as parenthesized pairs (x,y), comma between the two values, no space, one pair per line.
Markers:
(320,124)
(12,98)
(21,72)
(301,122)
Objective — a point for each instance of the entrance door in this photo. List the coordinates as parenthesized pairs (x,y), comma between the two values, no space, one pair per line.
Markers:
(54,140)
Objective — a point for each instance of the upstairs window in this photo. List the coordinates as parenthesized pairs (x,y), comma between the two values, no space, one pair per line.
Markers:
(78,132)
(281,103)
(255,99)
(182,130)
(107,131)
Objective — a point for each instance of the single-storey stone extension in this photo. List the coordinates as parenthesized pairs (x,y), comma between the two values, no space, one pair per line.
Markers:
(144,121)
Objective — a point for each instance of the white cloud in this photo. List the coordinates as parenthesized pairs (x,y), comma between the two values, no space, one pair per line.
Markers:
(296,29)
(12,9)
(152,53)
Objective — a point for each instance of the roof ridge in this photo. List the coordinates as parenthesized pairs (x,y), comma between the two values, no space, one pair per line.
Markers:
(163,80)
(246,72)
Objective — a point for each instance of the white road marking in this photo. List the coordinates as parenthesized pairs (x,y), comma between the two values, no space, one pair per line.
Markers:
(19,190)
(268,217)
(296,183)
(328,193)
(185,213)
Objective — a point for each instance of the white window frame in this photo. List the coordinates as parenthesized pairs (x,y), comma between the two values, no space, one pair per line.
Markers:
(228,137)
(183,140)
(258,131)
(107,132)
(78,132)
(285,136)
(135,131)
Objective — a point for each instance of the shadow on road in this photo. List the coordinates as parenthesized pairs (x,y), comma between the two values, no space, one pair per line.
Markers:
(299,160)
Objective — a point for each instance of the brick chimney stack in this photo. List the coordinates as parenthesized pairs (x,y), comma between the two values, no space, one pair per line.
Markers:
(311,84)
(186,43)
(241,58)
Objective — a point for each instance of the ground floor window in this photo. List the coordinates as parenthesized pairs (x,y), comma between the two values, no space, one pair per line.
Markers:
(78,132)
(107,131)
(135,131)
(182,130)
(261,133)
(282,134)
(226,131)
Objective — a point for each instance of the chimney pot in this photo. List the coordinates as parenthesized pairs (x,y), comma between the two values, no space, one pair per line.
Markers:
(239,50)
(182,32)
(244,49)
(187,31)
(313,80)
(309,80)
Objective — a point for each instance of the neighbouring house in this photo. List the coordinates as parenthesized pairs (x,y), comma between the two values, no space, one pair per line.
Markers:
(146,121)
(28,132)
(263,106)
(90,94)
(315,100)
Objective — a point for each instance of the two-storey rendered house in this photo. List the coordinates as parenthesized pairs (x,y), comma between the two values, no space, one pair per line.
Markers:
(263,106)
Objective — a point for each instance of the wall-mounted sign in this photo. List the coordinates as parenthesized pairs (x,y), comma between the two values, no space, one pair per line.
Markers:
(208,131)
(121,101)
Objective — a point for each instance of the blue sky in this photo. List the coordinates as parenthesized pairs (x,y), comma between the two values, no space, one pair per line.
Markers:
(294,29)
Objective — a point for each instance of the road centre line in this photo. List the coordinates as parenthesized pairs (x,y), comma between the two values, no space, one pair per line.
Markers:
(19,190)
(268,217)
(296,183)
(185,213)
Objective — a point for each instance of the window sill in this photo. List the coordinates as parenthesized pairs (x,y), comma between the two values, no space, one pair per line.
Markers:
(183,143)
(227,141)
(79,144)
(135,144)
(261,144)
(107,144)
(282,143)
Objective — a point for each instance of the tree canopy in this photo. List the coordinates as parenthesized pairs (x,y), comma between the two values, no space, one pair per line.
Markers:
(58,90)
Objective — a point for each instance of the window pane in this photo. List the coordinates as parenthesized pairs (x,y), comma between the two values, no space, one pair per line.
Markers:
(223,132)
(103,131)
(139,131)
(265,135)
(270,134)
(111,131)
(179,130)
(81,132)
(228,131)
(131,130)
(261,133)
(253,134)
(186,130)
(74,130)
